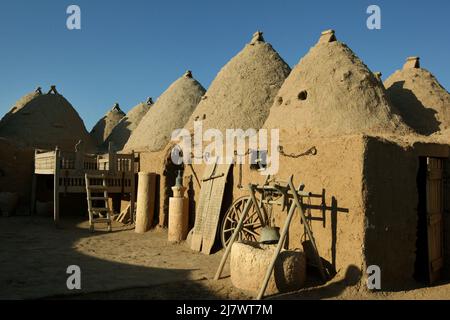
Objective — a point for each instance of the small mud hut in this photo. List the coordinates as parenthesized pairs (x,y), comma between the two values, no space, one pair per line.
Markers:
(369,164)
(105,125)
(44,121)
(421,100)
(239,97)
(242,92)
(331,92)
(170,112)
(122,131)
(36,121)
(341,137)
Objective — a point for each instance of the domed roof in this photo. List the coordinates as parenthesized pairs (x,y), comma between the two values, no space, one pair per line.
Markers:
(44,121)
(171,111)
(242,92)
(122,131)
(332,92)
(421,100)
(105,125)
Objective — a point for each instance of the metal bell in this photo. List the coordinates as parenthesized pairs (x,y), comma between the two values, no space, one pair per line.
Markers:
(269,235)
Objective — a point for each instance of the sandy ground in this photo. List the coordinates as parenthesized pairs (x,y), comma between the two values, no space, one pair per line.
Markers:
(34,256)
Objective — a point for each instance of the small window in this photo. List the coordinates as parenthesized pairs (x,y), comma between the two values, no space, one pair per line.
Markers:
(303,95)
(258,160)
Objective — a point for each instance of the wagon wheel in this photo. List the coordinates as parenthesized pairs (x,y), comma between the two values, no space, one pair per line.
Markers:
(252,224)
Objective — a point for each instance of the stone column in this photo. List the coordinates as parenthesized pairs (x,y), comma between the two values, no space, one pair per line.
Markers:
(178,215)
(145,202)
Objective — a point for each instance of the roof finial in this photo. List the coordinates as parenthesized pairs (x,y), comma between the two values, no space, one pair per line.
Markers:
(116,107)
(257,37)
(412,63)
(188,74)
(38,90)
(149,101)
(378,75)
(327,36)
(52,90)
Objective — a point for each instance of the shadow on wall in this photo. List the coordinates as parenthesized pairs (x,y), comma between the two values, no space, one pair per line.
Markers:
(333,210)
(119,136)
(413,112)
(98,130)
(39,270)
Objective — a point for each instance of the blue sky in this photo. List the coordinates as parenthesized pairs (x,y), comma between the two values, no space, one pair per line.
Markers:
(128,50)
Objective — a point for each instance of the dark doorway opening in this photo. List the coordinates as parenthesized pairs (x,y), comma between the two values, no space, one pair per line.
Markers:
(421,272)
(170,175)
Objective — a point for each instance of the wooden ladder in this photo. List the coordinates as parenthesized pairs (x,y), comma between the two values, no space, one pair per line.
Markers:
(98,214)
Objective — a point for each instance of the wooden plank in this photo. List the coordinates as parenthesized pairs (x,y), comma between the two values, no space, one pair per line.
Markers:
(44,171)
(234,236)
(95,209)
(133,189)
(212,215)
(435,208)
(205,191)
(279,246)
(33,195)
(56,189)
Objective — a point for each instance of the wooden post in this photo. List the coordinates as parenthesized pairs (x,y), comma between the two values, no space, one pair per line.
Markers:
(308,231)
(235,234)
(33,187)
(133,190)
(33,194)
(56,187)
(111,159)
(278,249)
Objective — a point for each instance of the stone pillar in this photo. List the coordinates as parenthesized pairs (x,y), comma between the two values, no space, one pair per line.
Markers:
(145,202)
(178,215)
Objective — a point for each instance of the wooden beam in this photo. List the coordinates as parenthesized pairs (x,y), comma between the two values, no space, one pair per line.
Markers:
(56,187)
(235,234)
(33,195)
(133,189)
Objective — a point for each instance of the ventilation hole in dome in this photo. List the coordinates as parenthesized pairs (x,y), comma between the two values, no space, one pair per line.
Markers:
(303,95)
(280,101)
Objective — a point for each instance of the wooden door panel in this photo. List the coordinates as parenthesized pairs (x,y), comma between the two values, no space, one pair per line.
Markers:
(435,208)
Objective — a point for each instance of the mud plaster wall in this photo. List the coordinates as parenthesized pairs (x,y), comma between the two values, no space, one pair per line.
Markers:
(391,201)
(16,168)
(337,168)
(155,162)
(391,198)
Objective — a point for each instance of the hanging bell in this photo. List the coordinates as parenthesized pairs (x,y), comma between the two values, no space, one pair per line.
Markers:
(269,235)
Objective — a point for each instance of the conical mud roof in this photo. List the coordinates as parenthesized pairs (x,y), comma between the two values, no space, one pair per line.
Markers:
(122,131)
(171,111)
(421,100)
(243,91)
(44,121)
(332,92)
(105,125)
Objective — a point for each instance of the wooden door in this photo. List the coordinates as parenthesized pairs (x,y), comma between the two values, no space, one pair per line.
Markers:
(435,208)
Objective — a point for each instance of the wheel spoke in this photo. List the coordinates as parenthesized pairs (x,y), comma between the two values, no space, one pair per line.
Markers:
(250,216)
(250,231)
(229,219)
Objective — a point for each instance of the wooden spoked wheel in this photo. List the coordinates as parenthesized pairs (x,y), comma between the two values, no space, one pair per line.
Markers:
(252,224)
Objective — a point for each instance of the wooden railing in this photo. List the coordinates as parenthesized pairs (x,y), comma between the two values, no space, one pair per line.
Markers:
(111,162)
